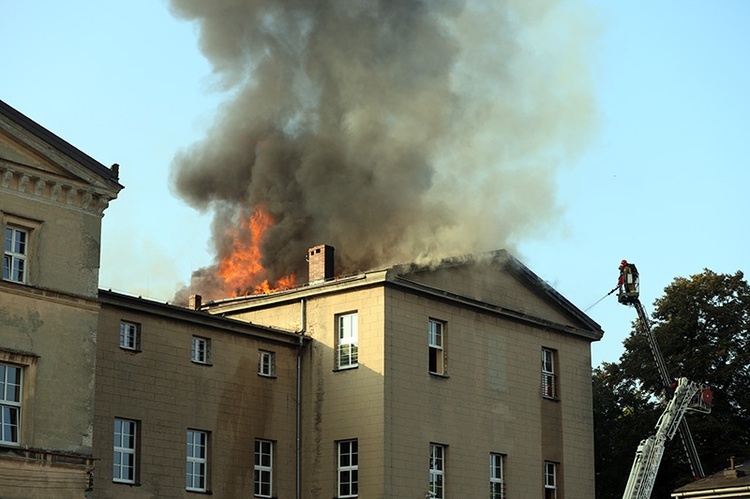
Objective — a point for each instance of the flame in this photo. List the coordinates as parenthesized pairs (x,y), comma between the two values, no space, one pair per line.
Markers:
(241,270)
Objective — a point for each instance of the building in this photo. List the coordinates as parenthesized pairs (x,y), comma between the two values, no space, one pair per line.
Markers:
(52,199)
(190,401)
(731,483)
(469,377)
(443,380)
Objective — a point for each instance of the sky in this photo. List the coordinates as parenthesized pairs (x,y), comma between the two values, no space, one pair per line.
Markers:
(661,180)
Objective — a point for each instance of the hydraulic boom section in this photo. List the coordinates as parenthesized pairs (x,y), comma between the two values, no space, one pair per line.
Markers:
(688,396)
(628,287)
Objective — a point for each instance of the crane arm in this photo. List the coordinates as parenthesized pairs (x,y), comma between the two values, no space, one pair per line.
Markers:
(650,451)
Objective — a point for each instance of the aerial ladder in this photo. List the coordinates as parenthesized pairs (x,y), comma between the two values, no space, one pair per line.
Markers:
(688,396)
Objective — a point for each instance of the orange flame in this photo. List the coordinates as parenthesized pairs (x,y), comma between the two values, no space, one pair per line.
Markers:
(241,269)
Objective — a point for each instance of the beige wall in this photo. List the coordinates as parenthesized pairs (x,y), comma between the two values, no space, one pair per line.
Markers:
(65,241)
(167,394)
(338,404)
(52,321)
(490,400)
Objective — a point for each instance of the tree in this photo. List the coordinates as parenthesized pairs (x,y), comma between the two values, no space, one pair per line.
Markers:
(701,325)
(623,416)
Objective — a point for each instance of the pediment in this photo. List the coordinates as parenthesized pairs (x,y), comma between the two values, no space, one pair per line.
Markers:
(499,280)
(36,162)
(28,160)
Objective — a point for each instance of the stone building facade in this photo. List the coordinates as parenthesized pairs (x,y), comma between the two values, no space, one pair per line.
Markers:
(52,199)
(169,376)
(464,379)
(446,380)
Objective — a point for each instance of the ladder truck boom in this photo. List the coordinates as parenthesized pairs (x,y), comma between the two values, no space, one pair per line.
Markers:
(687,396)
(649,453)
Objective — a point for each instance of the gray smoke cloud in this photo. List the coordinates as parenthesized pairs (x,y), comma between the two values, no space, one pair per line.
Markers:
(394,130)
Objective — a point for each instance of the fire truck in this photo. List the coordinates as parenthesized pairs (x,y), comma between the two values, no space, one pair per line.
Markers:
(686,396)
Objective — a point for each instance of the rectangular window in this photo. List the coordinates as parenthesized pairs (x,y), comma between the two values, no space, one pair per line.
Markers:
(497,476)
(549,388)
(130,335)
(263,468)
(15,255)
(347,348)
(348,468)
(436,337)
(437,471)
(124,466)
(10,404)
(197,460)
(266,363)
(200,351)
(550,480)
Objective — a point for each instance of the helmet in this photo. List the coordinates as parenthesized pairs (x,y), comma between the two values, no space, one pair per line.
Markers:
(624,262)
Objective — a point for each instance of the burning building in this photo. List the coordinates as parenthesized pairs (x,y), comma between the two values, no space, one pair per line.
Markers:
(400,130)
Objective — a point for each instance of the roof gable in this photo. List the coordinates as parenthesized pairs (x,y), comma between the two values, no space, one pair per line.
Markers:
(499,280)
(34,161)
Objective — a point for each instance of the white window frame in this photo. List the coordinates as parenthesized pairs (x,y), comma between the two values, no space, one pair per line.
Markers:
(549,378)
(267,363)
(196,474)
(11,392)
(15,254)
(348,468)
(200,350)
(263,468)
(436,345)
(347,345)
(550,480)
(497,476)
(437,471)
(125,449)
(130,336)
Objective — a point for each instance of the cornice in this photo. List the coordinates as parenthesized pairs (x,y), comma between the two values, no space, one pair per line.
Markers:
(46,186)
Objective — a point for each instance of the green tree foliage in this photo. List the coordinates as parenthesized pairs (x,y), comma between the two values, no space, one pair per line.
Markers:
(623,416)
(701,325)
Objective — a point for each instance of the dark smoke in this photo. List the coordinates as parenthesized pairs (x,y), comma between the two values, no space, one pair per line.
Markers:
(395,130)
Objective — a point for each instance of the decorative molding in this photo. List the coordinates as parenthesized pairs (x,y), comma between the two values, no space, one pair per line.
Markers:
(50,187)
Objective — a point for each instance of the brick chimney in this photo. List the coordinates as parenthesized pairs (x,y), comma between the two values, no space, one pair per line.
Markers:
(320,263)
(195,302)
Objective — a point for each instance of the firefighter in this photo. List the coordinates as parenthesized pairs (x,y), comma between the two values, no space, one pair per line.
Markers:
(628,279)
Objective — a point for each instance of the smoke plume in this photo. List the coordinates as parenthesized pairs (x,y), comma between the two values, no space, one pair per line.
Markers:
(394,130)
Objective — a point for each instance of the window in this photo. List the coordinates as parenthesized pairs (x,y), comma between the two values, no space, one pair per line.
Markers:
(196,461)
(266,363)
(10,404)
(14,257)
(200,351)
(348,468)
(436,330)
(263,468)
(549,388)
(130,335)
(550,480)
(497,480)
(124,466)
(437,471)
(347,348)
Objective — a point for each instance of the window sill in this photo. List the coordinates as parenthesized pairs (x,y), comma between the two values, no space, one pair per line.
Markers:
(439,375)
(551,399)
(131,351)
(202,492)
(130,484)
(347,368)
(208,364)
(267,376)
